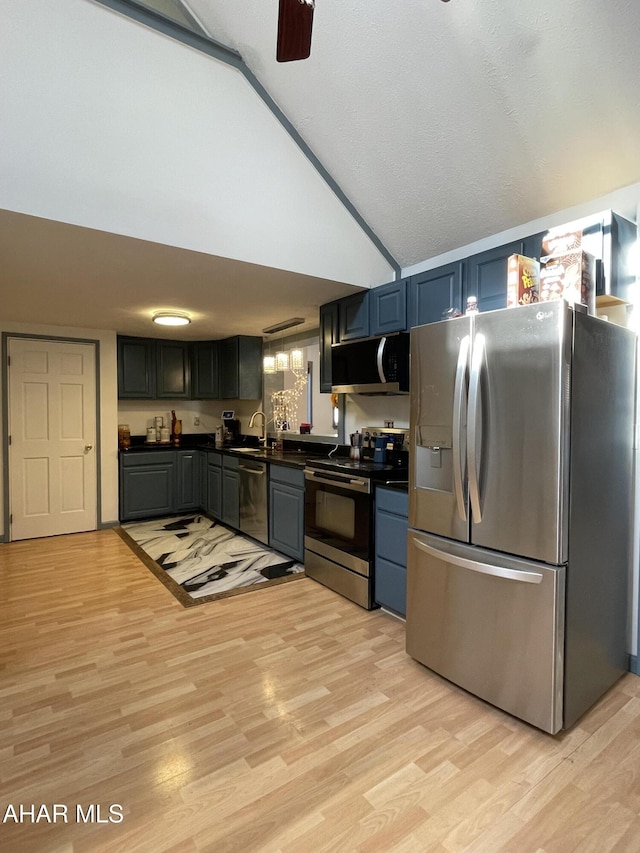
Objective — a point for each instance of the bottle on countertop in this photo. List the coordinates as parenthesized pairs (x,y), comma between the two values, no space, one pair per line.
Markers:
(472,305)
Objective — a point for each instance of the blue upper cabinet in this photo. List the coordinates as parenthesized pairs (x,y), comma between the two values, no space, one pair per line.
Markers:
(388,308)
(205,377)
(433,292)
(533,245)
(173,370)
(136,368)
(354,316)
(329,335)
(486,276)
(241,368)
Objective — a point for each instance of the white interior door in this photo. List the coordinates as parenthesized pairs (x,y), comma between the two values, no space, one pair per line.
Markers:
(52,425)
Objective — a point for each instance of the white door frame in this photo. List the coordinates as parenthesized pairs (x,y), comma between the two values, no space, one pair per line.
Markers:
(6,336)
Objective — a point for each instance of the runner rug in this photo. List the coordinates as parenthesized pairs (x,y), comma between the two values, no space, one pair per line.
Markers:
(199,560)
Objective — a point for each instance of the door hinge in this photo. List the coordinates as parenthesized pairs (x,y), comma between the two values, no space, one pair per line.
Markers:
(11,519)
(8,361)
(9,439)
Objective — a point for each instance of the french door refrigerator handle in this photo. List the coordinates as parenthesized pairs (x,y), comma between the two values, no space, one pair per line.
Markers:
(380,359)
(484,568)
(459,408)
(473,457)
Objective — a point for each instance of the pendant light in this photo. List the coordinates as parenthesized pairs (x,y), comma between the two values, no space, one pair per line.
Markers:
(296,359)
(282,360)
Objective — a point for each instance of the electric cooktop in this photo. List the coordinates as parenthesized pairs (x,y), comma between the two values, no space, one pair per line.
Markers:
(363,468)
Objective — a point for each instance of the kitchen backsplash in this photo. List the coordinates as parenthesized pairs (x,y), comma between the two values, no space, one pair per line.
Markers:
(363,411)
(140,414)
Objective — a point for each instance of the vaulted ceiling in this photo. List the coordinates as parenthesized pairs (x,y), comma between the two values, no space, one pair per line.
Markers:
(447,122)
(443,123)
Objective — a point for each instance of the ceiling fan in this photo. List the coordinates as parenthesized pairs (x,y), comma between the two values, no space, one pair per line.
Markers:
(295,21)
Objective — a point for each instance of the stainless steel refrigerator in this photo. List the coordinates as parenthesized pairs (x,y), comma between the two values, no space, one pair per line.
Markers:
(520,507)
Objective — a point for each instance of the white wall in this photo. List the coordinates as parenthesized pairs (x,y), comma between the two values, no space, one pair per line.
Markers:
(140,414)
(110,125)
(362,411)
(108,410)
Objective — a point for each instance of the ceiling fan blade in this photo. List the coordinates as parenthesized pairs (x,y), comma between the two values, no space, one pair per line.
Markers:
(295,20)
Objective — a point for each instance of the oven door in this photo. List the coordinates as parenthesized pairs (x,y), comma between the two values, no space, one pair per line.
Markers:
(338,518)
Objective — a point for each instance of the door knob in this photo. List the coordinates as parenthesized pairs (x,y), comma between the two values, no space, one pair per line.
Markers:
(88,447)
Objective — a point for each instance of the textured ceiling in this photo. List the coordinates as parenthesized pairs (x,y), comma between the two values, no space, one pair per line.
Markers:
(448,122)
(443,123)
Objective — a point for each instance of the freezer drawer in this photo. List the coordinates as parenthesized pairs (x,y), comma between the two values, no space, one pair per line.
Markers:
(493,625)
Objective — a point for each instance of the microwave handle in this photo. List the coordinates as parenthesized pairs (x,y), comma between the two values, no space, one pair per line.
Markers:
(380,359)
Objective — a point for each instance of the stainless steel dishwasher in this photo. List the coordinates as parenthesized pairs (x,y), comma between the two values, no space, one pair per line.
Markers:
(253,499)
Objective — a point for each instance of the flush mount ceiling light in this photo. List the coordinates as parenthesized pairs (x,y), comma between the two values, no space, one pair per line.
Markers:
(171,318)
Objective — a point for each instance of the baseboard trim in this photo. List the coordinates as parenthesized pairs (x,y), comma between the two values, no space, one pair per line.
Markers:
(108,525)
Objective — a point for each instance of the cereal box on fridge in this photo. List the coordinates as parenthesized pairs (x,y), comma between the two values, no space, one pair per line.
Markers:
(523,280)
(570,276)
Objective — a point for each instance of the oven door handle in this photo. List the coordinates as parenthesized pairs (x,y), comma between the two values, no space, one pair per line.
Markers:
(355,484)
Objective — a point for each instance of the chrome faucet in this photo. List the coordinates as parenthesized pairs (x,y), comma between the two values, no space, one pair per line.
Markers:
(263,436)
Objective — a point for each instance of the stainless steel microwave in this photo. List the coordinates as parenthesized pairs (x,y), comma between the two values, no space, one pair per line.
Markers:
(378,365)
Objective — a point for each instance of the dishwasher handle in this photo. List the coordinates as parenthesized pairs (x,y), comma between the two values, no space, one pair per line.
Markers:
(261,471)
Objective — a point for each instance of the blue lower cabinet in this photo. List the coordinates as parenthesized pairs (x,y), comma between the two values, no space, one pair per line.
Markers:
(390,568)
(214,485)
(187,480)
(147,485)
(202,478)
(286,511)
(230,492)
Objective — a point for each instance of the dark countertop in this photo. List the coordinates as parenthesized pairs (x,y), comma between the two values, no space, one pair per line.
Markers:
(291,458)
(398,485)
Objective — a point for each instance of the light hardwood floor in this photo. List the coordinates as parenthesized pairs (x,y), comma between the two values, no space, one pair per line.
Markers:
(286,719)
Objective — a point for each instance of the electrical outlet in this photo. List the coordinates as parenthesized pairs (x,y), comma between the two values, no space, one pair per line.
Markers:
(196,421)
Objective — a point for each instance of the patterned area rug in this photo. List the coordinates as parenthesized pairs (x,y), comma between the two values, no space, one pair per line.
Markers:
(199,560)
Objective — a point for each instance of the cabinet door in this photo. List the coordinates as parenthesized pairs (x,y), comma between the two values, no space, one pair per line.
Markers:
(241,368)
(229,359)
(202,478)
(388,308)
(250,368)
(173,376)
(146,491)
(205,379)
(286,519)
(390,571)
(136,368)
(329,335)
(214,490)
(433,292)
(532,247)
(187,480)
(354,316)
(486,277)
(231,497)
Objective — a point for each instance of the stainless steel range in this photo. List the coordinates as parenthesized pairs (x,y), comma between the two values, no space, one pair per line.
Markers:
(339,529)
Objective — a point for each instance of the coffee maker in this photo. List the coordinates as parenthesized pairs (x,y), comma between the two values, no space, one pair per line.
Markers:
(386,445)
(230,428)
